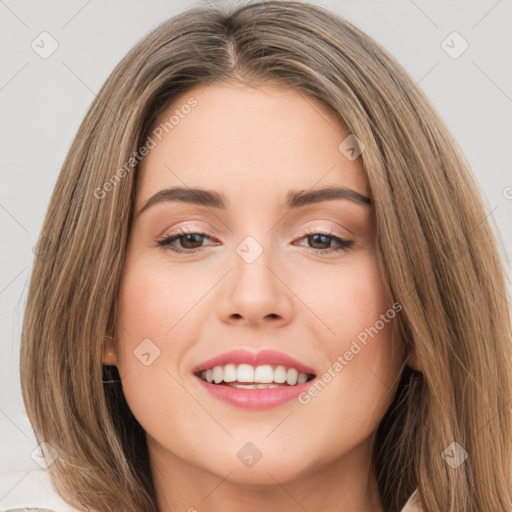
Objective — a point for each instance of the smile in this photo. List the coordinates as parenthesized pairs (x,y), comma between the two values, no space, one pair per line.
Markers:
(251,380)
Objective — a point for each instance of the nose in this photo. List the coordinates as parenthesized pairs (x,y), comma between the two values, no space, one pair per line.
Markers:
(256,292)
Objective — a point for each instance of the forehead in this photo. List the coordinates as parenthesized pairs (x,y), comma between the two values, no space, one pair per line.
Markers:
(264,141)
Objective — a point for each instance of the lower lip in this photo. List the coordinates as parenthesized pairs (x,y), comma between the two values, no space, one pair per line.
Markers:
(254,398)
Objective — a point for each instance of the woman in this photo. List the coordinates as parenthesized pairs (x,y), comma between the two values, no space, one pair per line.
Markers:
(188,345)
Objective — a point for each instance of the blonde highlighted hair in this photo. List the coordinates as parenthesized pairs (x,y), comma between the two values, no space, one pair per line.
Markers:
(436,250)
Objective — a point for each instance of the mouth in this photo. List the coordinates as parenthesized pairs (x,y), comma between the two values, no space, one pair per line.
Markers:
(249,380)
(246,376)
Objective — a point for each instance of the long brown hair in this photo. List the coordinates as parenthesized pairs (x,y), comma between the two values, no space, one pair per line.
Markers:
(436,250)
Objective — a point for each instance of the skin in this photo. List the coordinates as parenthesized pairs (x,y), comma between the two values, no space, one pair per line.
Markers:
(254,145)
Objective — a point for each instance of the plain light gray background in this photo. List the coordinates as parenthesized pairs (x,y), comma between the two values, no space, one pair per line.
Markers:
(44,100)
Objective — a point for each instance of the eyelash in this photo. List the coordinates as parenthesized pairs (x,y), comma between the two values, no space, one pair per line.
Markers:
(344,245)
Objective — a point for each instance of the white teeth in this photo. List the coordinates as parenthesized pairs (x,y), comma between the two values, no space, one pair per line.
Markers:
(218,374)
(229,373)
(302,378)
(280,375)
(292,376)
(264,374)
(245,373)
(259,377)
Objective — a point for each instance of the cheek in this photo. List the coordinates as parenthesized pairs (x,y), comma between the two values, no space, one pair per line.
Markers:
(157,300)
(363,360)
(348,299)
(142,306)
(155,312)
(363,325)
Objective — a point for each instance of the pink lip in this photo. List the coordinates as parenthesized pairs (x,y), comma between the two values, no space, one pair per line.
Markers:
(254,359)
(254,398)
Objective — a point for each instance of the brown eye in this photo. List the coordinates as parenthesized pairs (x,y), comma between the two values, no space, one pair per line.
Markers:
(321,242)
(189,241)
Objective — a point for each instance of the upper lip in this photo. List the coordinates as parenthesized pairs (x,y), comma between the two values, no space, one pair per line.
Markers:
(271,357)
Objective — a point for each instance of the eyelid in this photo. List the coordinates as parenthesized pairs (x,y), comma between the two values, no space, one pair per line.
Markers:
(187,228)
(328,230)
(323,218)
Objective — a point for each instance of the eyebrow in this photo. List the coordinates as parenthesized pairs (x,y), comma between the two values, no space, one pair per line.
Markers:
(214,199)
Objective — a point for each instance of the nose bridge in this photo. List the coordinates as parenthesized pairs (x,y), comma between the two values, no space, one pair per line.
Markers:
(255,249)
(254,259)
(255,291)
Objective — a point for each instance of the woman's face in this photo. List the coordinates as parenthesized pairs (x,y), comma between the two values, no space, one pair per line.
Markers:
(252,276)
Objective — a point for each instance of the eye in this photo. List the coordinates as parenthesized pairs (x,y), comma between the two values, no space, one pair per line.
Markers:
(324,239)
(190,241)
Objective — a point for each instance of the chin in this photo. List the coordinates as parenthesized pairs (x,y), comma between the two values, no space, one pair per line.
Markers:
(265,471)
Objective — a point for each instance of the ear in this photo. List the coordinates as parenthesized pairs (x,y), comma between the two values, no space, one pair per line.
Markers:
(109,352)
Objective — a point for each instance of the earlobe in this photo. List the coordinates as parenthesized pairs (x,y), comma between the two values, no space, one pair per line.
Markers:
(109,352)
